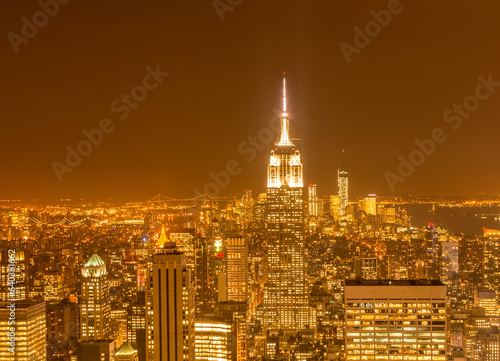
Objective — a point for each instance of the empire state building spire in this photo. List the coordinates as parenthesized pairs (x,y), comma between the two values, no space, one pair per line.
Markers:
(286,299)
(285,122)
(284,95)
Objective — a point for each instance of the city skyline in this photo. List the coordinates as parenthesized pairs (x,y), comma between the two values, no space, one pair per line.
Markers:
(250,181)
(375,107)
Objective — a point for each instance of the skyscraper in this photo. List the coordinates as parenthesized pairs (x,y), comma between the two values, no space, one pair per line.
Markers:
(369,205)
(170,307)
(395,320)
(10,259)
(28,340)
(486,299)
(491,261)
(449,264)
(237,269)
(343,183)
(476,321)
(94,305)
(213,340)
(366,268)
(313,200)
(286,303)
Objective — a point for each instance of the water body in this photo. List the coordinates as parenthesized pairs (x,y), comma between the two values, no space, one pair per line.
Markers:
(467,220)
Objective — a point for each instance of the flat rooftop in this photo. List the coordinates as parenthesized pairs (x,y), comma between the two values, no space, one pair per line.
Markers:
(422,282)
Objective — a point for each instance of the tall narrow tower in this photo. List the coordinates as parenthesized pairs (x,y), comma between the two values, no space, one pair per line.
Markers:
(170,307)
(313,201)
(343,183)
(286,303)
(94,305)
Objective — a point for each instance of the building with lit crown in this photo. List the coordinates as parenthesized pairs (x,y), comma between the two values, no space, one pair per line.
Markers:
(286,301)
(95,310)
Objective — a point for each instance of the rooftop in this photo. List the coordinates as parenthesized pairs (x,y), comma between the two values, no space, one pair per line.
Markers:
(422,282)
(126,349)
(94,261)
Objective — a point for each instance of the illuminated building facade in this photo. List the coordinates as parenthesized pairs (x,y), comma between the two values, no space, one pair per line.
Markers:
(213,340)
(313,200)
(432,255)
(449,263)
(30,333)
(170,307)
(343,184)
(53,287)
(136,321)
(369,205)
(477,321)
(486,299)
(395,320)
(237,269)
(61,328)
(286,302)
(334,203)
(485,346)
(19,281)
(237,313)
(366,268)
(491,261)
(95,310)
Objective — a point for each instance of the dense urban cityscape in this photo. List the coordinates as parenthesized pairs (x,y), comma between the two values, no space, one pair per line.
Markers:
(289,274)
(249,180)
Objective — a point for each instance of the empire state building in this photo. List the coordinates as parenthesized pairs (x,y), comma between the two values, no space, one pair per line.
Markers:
(286,303)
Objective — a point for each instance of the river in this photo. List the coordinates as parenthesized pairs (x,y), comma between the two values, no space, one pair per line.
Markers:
(467,220)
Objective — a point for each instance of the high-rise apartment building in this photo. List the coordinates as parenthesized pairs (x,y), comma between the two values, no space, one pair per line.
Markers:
(170,307)
(95,310)
(395,320)
(286,301)
(237,269)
